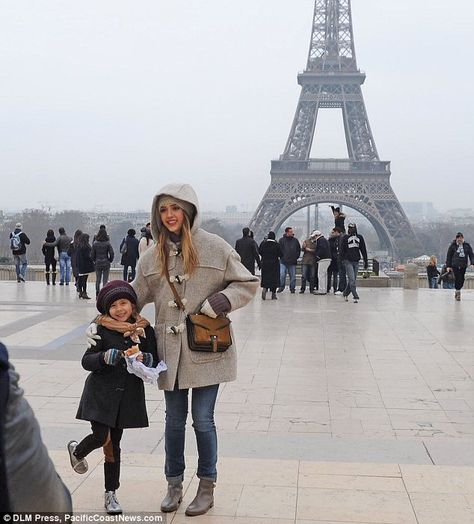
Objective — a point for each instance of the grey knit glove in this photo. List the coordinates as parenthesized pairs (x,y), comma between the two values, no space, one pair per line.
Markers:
(112,356)
(217,304)
(147,360)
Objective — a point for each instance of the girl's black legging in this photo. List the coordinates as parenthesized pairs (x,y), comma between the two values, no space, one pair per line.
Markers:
(82,283)
(108,438)
(51,264)
(459,273)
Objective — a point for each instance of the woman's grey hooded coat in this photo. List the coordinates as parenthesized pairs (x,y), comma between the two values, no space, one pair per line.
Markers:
(219,270)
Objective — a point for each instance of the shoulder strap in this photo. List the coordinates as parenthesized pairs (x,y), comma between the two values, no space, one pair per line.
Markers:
(177,298)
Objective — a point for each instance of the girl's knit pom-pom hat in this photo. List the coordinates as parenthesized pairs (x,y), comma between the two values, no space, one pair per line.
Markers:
(112,291)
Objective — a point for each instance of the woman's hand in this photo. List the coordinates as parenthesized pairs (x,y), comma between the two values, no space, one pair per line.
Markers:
(207,310)
(217,304)
(91,335)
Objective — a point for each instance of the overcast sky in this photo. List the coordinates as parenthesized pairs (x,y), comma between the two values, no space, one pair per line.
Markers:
(104,101)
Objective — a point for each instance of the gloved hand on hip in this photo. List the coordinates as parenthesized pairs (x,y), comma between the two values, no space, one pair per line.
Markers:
(91,335)
(217,304)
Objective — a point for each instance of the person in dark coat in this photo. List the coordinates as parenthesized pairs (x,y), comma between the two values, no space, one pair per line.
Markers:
(270,252)
(29,482)
(247,249)
(129,250)
(113,399)
(291,250)
(85,265)
(49,258)
(322,255)
(333,269)
(457,259)
(102,255)
(339,218)
(353,248)
(72,253)
(446,278)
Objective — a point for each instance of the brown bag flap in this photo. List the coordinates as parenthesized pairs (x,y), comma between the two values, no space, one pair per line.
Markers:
(213,325)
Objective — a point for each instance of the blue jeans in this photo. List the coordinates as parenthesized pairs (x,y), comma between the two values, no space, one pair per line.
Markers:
(307,275)
(20,265)
(101,274)
(448,285)
(125,273)
(291,270)
(202,410)
(433,282)
(342,277)
(64,267)
(351,272)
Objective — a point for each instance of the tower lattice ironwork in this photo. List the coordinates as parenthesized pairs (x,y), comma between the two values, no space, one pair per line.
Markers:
(362,182)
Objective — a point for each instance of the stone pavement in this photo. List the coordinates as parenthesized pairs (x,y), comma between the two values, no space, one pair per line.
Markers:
(342,412)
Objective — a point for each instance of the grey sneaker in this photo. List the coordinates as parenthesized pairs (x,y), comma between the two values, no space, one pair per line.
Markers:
(79,466)
(111,504)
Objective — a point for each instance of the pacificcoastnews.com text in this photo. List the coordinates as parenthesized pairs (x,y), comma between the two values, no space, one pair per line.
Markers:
(70,518)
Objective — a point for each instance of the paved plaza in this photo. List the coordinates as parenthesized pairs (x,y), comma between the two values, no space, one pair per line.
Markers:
(342,412)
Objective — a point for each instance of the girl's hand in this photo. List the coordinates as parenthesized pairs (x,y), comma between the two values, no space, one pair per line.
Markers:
(140,357)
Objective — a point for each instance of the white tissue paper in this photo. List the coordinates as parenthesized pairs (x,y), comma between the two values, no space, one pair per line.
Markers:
(148,375)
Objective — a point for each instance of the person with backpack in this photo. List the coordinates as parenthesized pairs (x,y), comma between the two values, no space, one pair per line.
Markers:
(129,251)
(18,243)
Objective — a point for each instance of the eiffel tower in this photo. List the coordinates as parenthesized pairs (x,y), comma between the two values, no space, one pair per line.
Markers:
(362,181)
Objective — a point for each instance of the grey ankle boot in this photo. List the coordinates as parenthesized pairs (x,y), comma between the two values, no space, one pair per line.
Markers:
(111,504)
(204,499)
(174,495)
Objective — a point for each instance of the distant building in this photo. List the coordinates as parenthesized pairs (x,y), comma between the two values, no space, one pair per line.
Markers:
(230,217)
(461,214)
(419,211)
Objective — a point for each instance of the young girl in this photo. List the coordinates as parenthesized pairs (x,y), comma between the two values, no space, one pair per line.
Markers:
(432,273)
(113,398)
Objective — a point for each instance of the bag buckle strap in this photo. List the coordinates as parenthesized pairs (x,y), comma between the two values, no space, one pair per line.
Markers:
(214,343)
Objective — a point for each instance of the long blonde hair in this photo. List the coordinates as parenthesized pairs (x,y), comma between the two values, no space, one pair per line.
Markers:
(189,251)
(433,261)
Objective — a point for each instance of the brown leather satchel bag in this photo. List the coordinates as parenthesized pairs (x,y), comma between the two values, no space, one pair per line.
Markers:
(208,334)
(204,333)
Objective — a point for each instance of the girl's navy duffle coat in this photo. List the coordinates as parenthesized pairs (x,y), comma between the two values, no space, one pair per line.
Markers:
(112,395)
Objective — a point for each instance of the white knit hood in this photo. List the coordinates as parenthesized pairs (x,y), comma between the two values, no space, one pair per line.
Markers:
(183,192)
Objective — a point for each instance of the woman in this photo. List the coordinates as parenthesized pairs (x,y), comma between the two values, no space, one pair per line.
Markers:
(102,255)
(432,272)
(49,259)
(209,278)
(72,253)
(270,252)
(85,264)
(129,250)
(146,241)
